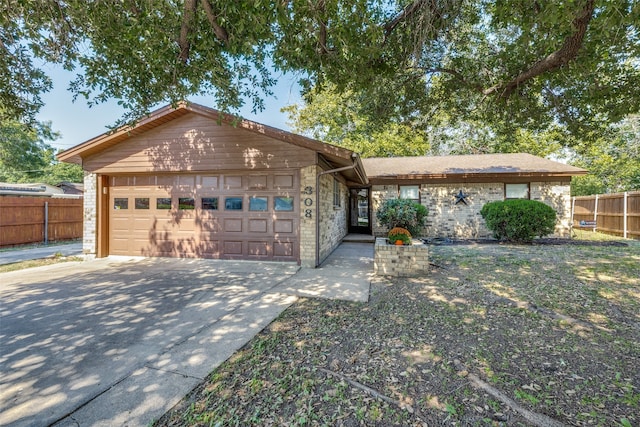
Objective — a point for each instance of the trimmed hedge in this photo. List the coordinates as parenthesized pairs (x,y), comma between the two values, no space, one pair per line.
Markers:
(519,220)
(402,213)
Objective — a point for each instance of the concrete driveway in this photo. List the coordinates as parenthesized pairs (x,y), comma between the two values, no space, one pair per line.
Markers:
(119,342)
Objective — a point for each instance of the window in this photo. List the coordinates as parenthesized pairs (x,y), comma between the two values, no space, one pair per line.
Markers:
(337,200)
(142,203)
(233,203)
(186,203)
(257,203)
(210,203)
(120,203)
(163,203)
(411,192)
(281,203)
(516,191)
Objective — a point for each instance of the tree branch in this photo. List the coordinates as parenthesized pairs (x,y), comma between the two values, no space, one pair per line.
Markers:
(185,29)
(220,32)
(458,75)
(557,59)
(405,14)
(322,32)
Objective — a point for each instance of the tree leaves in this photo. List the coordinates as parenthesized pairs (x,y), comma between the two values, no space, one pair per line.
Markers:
(527,63)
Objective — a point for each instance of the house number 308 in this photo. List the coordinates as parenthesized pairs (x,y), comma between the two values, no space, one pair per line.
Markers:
(308,201)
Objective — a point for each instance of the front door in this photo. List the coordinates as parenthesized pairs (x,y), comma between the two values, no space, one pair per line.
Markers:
(359,218)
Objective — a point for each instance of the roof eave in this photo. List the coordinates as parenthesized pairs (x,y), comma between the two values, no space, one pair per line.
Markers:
(167,113)
(468,176)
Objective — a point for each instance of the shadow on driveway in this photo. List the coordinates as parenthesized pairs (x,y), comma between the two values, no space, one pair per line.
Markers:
(109,342)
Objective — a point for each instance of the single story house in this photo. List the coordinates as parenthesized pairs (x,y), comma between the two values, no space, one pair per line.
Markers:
(190,181)
(32,190)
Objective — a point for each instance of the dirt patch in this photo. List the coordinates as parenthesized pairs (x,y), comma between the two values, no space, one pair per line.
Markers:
(498,335)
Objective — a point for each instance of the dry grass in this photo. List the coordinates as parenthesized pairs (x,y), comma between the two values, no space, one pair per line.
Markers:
(497,335)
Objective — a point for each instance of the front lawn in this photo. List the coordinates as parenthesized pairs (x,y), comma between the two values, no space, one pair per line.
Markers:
(494,335)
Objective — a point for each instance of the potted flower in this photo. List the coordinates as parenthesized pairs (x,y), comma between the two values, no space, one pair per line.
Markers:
(399,236)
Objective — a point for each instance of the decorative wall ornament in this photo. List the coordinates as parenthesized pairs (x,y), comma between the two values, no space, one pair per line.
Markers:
(461,198)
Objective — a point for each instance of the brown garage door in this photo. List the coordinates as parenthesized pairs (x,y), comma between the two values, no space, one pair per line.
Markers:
(228,216)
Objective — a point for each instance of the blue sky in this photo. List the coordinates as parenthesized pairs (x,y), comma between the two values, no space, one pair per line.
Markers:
(76,122)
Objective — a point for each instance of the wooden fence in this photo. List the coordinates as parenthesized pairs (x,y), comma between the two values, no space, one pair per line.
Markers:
(39,219)
(616,214)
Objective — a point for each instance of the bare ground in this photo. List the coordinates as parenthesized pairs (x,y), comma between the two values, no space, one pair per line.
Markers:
(499,335)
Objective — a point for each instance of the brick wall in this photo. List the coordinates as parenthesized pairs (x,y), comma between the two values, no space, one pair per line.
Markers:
(308,219)
(333,221)
(90,214)
(448,219)
(558,196)
(380,193)
(392,260)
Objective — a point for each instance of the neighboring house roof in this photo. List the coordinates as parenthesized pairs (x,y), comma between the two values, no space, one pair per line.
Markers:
(333,155)
(71,187)
(31,189)
(466,167)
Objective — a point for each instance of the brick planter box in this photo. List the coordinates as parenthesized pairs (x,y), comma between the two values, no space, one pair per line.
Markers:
(402,261)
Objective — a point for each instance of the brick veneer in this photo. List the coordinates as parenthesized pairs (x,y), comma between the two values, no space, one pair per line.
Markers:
(333,221)
(89,230)
(402,261)
(308,223)
(448,219)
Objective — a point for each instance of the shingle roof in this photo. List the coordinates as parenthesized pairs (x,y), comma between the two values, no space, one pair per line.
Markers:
(519,164)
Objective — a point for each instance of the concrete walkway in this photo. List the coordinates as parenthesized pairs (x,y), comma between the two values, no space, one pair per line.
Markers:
(346,275)
(9,256)
(120,341)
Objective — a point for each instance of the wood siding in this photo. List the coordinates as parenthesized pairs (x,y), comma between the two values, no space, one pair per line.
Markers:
(22,219)
(194,143)
(608,211)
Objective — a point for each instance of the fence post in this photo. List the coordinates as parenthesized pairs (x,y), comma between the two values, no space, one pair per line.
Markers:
(595,215)
(624,216)
(46,223)
(573,211)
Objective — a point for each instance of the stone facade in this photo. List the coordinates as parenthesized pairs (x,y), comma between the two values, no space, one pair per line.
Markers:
(89,231)
(333,220)
(402,261)
(448,219)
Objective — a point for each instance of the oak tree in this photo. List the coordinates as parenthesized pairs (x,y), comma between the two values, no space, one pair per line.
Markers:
(528,63)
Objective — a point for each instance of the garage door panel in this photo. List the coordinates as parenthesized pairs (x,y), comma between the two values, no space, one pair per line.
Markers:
(206,225)
(283,226)
(257,182)
(283,181)
(283,249)
(258,225)
(232,182)
(259,249)
(232,247)
(232,225)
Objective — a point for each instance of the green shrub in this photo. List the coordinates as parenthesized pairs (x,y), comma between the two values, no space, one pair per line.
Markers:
(519,220)
(402,213)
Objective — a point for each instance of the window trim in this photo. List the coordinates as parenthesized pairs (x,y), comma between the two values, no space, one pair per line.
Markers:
(409,185)
(337,194)
(528,184)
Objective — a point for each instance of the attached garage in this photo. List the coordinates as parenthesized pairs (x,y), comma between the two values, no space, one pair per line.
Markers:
(228,216)
(190,181)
